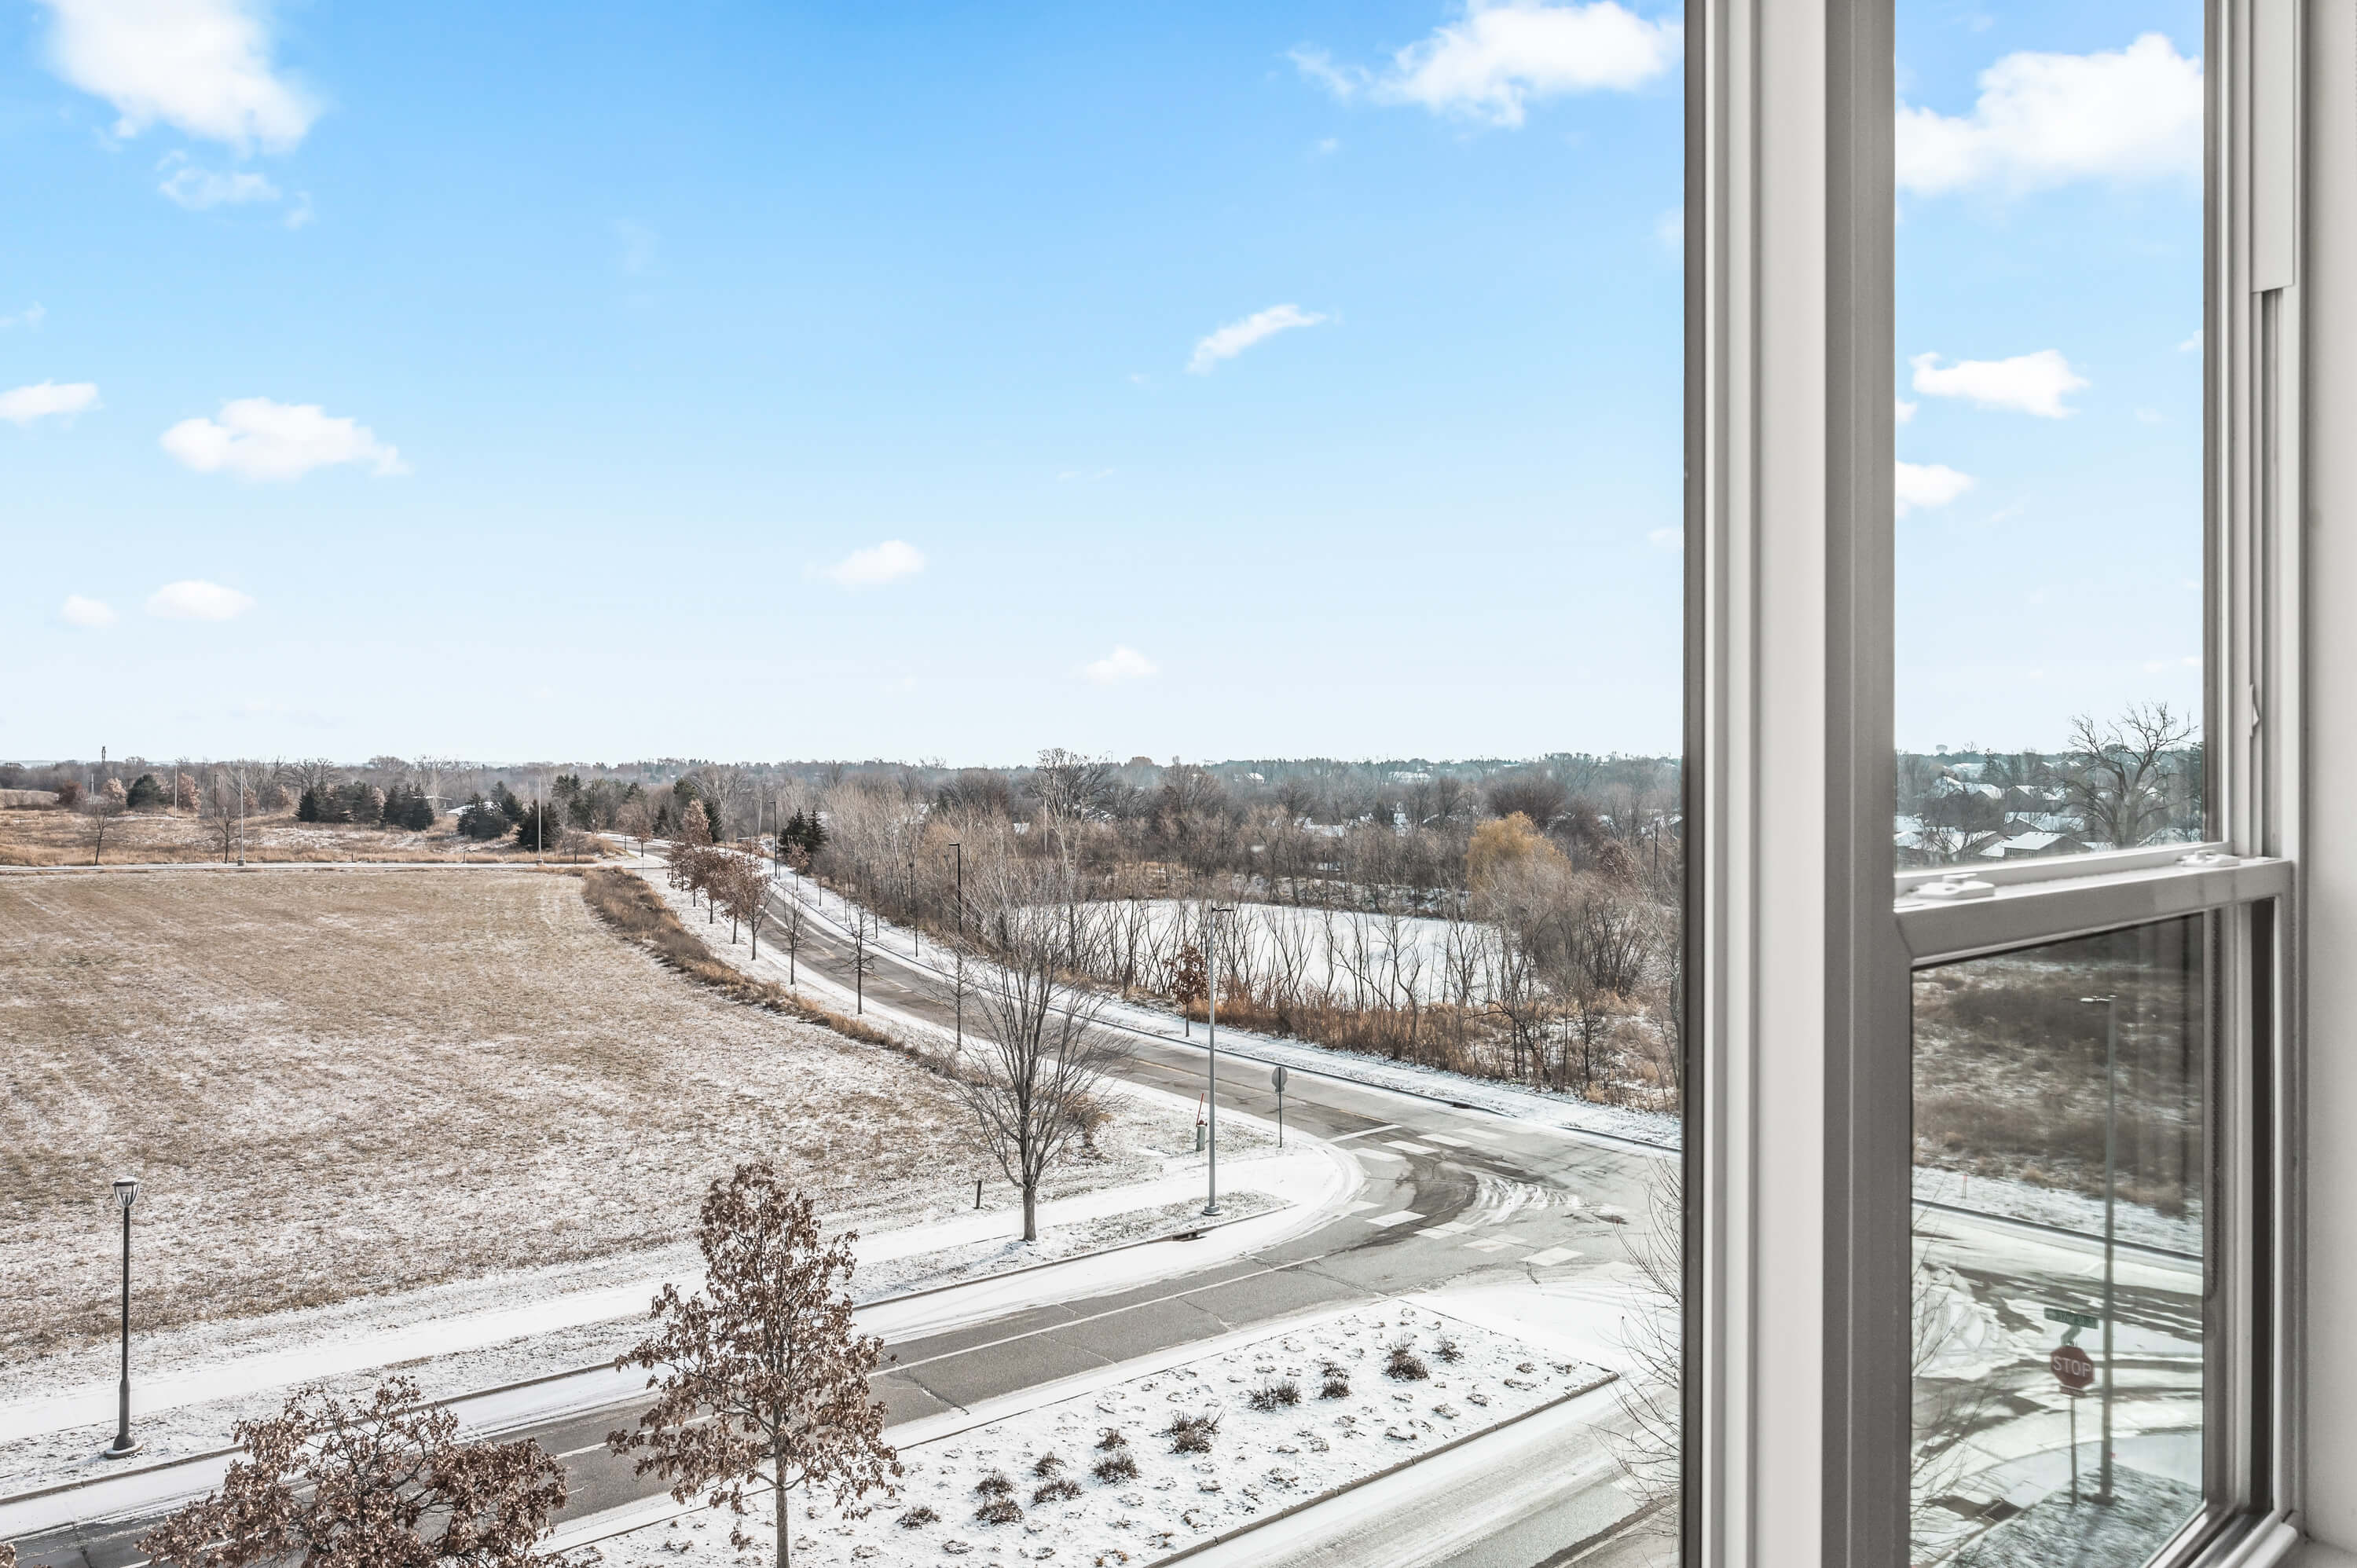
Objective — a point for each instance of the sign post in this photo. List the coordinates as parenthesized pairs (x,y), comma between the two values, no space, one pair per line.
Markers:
(1276,1081)
(2074,1370)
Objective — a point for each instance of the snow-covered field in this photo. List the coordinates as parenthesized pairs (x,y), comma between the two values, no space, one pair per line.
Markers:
(1348,953)
(1096,1478)
(423,1091)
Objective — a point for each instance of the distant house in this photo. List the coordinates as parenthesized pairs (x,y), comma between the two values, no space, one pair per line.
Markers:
(1951,787)
(2021,845)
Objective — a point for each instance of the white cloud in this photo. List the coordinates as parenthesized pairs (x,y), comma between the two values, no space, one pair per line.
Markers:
(198,188)
(201,66)
(1927,485)
(29,318)
(197,600)
(2191,345)
(2027,383)
(1121,664)
(1668,538)
(256,438)
(92,614)
(26,405)
(1902,410)
(1491,61)
(2044,120)
(1670,232)
(1238,335)
(876,565)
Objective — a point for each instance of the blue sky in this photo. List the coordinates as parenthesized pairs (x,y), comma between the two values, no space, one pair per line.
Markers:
(2050,256)
(936,382)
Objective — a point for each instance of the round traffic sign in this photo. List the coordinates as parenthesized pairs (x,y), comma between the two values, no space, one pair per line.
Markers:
(2071,1367)
(1276,1079)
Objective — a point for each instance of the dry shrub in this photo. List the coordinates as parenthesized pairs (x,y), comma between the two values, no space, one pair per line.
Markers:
(1055,1491)
(1275,1396)
(1402,1364)
(1116,1467)
(1190,1433)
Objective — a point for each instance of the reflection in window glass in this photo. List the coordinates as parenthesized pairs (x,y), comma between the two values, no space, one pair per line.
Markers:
(976,536)
(2049,489)
(2058,1345)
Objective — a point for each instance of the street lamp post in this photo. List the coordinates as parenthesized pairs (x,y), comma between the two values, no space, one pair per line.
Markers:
(2111,1004)
(1211,1059)
(126,1193)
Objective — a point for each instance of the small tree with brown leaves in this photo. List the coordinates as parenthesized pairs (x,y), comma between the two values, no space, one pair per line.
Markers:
(1191,981)
(742,889)
(762,1376)
(381,1480)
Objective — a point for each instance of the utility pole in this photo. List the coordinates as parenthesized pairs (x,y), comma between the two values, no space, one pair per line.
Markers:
(1211,1059)
(2111,1005)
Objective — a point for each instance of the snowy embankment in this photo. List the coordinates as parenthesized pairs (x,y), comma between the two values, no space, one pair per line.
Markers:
(191,1387)
(1106,1476)
(2003,1197)
(1655,1129)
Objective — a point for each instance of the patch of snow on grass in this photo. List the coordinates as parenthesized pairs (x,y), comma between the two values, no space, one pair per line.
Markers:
(1105,1477)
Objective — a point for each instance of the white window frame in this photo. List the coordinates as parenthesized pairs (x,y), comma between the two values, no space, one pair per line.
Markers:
(1803,934)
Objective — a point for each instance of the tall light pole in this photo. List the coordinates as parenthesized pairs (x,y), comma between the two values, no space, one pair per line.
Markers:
(2111,1005)
(1211,1059)
(126,1193)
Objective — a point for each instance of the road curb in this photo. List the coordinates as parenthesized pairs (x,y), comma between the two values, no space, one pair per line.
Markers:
(58,1488)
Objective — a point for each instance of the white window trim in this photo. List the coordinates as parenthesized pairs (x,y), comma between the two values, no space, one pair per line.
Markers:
(1800,953)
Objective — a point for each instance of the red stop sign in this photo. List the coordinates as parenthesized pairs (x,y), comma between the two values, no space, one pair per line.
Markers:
(2072,1367)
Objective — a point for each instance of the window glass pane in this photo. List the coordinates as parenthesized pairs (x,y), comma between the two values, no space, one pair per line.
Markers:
(876,564)
(2058,1342)
(2049,489)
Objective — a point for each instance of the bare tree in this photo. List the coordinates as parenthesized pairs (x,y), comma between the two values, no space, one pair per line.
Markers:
(1652,1450)
(793,930)
(762,1376)
(2118,776)
(635,821)
(221,807)
(1072,788)
(863,957)
(98,813)
(384,1480)
(1035,1056)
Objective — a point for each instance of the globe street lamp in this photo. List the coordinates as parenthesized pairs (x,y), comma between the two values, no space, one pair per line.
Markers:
(126,1193)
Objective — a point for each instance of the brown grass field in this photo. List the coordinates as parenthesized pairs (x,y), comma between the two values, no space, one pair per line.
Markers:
(340,1083)
(64,838)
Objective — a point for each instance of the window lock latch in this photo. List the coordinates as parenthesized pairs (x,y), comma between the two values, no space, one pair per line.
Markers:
(1954,889)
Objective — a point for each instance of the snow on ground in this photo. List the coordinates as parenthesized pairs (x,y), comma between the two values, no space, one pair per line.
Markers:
(1093,1477)
(192,1386)
(372,1107)
(1344,951)
(1656,1128)
(2138,1223)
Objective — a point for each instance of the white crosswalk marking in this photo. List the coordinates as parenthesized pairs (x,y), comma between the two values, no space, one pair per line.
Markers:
(1445,1138)
(1400,1218)
(1550,1257)
(1361,1205)
(1411,1148)
(1495,1244)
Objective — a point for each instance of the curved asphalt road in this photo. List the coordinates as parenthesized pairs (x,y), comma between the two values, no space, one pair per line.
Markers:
(1451,1195)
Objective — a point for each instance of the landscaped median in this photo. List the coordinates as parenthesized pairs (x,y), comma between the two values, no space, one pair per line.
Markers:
(1148,1463)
